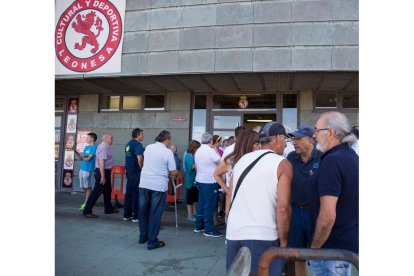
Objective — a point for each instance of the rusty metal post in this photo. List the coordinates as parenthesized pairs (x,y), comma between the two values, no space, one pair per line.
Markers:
(302,254)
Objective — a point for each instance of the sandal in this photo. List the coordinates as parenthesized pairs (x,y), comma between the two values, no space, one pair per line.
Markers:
(157,245)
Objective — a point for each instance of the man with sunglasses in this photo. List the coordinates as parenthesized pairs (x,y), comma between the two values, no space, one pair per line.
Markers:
(334,193)
(305,161)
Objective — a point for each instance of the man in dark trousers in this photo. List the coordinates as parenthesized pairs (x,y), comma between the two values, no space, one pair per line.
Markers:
(102,174)
(134,160)
(305,161)
(334,193)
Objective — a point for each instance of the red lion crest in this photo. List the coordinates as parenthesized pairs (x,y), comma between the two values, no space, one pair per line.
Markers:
(83,24)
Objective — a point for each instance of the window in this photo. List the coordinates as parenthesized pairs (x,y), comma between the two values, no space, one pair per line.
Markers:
(350,100)
(131,103)
(339,100)
(60,105)
(199,116)
(290,111)
(154,102)
(252,101)
(109,103)
(325,101)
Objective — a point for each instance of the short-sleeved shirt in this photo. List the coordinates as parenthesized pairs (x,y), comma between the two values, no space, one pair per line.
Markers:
(89,166)
(103,152)
(227,151)
(132,150)
(205,159)
(190,173)
(159,161)
(302,175)
(338,175)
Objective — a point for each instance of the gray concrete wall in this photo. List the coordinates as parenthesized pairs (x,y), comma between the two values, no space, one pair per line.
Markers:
(121,125)
(163,36)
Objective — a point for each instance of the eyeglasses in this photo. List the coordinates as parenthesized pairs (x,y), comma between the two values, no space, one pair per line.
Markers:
(319,129)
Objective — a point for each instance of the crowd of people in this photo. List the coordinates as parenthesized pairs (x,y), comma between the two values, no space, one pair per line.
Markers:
(274,187)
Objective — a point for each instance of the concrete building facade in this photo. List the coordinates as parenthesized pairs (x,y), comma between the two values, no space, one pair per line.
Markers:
(194,60)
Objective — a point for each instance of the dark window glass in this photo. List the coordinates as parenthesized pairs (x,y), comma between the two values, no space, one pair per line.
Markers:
(200,102)
(350,101)
(290,101)
(264,101)
(59,105)
(325,101)
(109,103)
(155,102)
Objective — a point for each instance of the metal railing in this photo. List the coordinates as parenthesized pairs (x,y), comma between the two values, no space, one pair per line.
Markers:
(302,254)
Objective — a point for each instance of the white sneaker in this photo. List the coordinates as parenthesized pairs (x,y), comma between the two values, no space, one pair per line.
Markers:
(134,220)
(127,218)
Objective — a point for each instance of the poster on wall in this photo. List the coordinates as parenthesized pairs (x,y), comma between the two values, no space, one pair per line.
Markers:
(81,140)
(73,105)
(67,178)
(88,36)
(68,160)
(70,142)
(71,124)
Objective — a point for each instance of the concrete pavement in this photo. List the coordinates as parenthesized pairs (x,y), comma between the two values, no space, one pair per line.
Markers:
(109,246)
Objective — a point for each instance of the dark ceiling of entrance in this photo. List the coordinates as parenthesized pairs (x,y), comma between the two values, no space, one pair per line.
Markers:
(226,82)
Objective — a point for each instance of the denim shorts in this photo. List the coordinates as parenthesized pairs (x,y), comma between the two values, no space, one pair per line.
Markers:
(85,179)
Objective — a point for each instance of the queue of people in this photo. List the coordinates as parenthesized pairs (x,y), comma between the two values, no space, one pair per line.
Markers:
(303,197)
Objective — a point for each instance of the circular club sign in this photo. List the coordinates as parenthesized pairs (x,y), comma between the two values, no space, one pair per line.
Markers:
(243,103)
(87,35)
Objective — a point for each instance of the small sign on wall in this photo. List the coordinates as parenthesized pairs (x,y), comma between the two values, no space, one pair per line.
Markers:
(179,119)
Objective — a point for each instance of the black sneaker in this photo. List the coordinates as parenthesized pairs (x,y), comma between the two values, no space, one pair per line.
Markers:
(214,234)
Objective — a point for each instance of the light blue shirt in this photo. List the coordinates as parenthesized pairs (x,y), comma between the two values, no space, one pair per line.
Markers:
(89,166)
(158,162)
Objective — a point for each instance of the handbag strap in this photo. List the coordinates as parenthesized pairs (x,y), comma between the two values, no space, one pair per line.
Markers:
(243,175)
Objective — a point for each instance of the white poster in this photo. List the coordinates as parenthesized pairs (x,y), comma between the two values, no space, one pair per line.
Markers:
(71,124)
(88,36)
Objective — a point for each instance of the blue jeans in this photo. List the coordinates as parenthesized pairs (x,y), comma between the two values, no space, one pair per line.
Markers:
(207,202)
(99,189)
(256,248)
(300,233)
(151,206)
(330,268)
(131,195)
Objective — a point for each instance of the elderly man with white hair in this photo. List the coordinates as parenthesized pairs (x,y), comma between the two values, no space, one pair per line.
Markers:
(103,166)
(206,160)
(334,193)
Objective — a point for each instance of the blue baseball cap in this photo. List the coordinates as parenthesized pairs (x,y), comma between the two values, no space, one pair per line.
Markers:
(302,131)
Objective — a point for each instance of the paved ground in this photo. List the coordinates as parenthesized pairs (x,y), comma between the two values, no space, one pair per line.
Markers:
(109,246)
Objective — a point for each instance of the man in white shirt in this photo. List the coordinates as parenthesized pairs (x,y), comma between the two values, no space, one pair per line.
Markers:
(159,164)
(206,160)
(259,216)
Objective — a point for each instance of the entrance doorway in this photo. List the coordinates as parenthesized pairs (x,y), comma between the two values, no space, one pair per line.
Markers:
(225,123)
(252,120)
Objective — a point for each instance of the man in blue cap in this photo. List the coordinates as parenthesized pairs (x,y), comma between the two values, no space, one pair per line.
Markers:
(305,161)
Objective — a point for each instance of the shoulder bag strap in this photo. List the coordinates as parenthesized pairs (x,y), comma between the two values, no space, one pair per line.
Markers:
(243,175)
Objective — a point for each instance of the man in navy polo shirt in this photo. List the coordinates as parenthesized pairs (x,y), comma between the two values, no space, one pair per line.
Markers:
(305,161)
(134,160)
(334,193)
